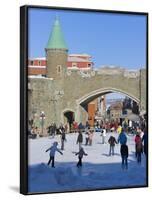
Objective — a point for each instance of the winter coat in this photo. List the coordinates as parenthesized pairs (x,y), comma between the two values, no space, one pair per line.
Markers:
(53,149)
(80,138)
(124,150)
(139,146)
(91,136)
(112,141)
(138,139)
(145,140)
(122,138)
(81,153)
(104,132)
(119,129)
(63,136)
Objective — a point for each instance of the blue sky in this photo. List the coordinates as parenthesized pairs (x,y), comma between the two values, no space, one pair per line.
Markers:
(111,39)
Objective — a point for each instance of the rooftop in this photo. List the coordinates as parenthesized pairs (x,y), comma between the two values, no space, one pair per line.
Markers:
(56,39)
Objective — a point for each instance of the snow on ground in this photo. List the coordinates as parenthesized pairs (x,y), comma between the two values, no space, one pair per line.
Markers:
(99,170)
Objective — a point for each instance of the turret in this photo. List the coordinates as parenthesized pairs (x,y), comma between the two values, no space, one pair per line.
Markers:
(56,52)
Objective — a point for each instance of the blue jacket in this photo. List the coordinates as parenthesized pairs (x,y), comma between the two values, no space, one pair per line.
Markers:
(122,138)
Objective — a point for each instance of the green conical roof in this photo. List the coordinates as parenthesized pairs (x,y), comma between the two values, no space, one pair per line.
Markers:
(56,39)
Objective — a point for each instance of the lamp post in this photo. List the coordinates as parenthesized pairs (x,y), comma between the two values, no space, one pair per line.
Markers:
(42,118)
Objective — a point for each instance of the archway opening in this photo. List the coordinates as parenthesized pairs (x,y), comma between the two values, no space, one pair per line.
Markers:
(109,105)
(69,118)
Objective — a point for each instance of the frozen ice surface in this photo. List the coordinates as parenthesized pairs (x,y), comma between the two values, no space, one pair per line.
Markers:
(99,170)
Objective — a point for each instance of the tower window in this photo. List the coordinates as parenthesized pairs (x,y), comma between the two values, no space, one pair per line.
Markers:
(59,69)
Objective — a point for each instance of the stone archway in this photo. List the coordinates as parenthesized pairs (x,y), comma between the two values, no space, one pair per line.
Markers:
(68,117)
(81,112)
(96,93)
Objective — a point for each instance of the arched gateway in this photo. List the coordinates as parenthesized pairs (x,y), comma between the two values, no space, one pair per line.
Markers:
(64,93)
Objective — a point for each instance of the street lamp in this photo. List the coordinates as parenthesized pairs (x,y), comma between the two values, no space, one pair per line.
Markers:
(42,118)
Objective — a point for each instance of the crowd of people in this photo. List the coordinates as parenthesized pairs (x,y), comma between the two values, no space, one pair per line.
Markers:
(122,130)
(140,140)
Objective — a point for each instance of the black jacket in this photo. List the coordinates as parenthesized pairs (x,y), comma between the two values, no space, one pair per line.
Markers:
(112,141)
(80,138)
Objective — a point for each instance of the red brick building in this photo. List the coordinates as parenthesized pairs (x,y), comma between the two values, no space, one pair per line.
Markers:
(37,66)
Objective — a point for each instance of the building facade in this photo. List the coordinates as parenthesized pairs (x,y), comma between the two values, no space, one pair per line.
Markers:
(63,94)
(38,66)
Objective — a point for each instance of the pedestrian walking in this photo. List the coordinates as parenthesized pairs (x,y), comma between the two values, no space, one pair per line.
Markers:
(52,150)
(80,139)
(80,156)
(124,156)
(112,141)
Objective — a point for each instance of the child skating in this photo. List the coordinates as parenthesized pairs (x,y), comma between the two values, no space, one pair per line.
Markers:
(80,156)
(52,150)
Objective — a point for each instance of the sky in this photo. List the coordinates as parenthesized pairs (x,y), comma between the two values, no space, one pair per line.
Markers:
(110,38)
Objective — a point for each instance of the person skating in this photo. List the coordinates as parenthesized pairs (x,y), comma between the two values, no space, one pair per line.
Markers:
(124,156)
(63,138)
(103,134)
(80,156)
(139,147)
(145,140)
(80,139)
(52,150)
(90,137)
(87,137)
(112,141)
(122,137)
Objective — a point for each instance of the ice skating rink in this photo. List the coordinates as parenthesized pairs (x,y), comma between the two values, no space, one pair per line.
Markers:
(99,170)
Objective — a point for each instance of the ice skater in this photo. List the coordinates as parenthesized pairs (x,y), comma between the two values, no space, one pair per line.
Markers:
(124,156)
(79,139)
(86,138)
(63,138)
(122,137)
(112,141)
(80,156)
(52,150)
(103,134)
(138,147)
(90,137)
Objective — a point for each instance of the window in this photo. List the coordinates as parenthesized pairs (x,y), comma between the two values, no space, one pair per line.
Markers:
(89,65)
(32,63)
(59,69)
(39,63)
(74,64)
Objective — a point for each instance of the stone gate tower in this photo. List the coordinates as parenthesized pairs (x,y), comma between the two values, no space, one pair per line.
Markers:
(56,53)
